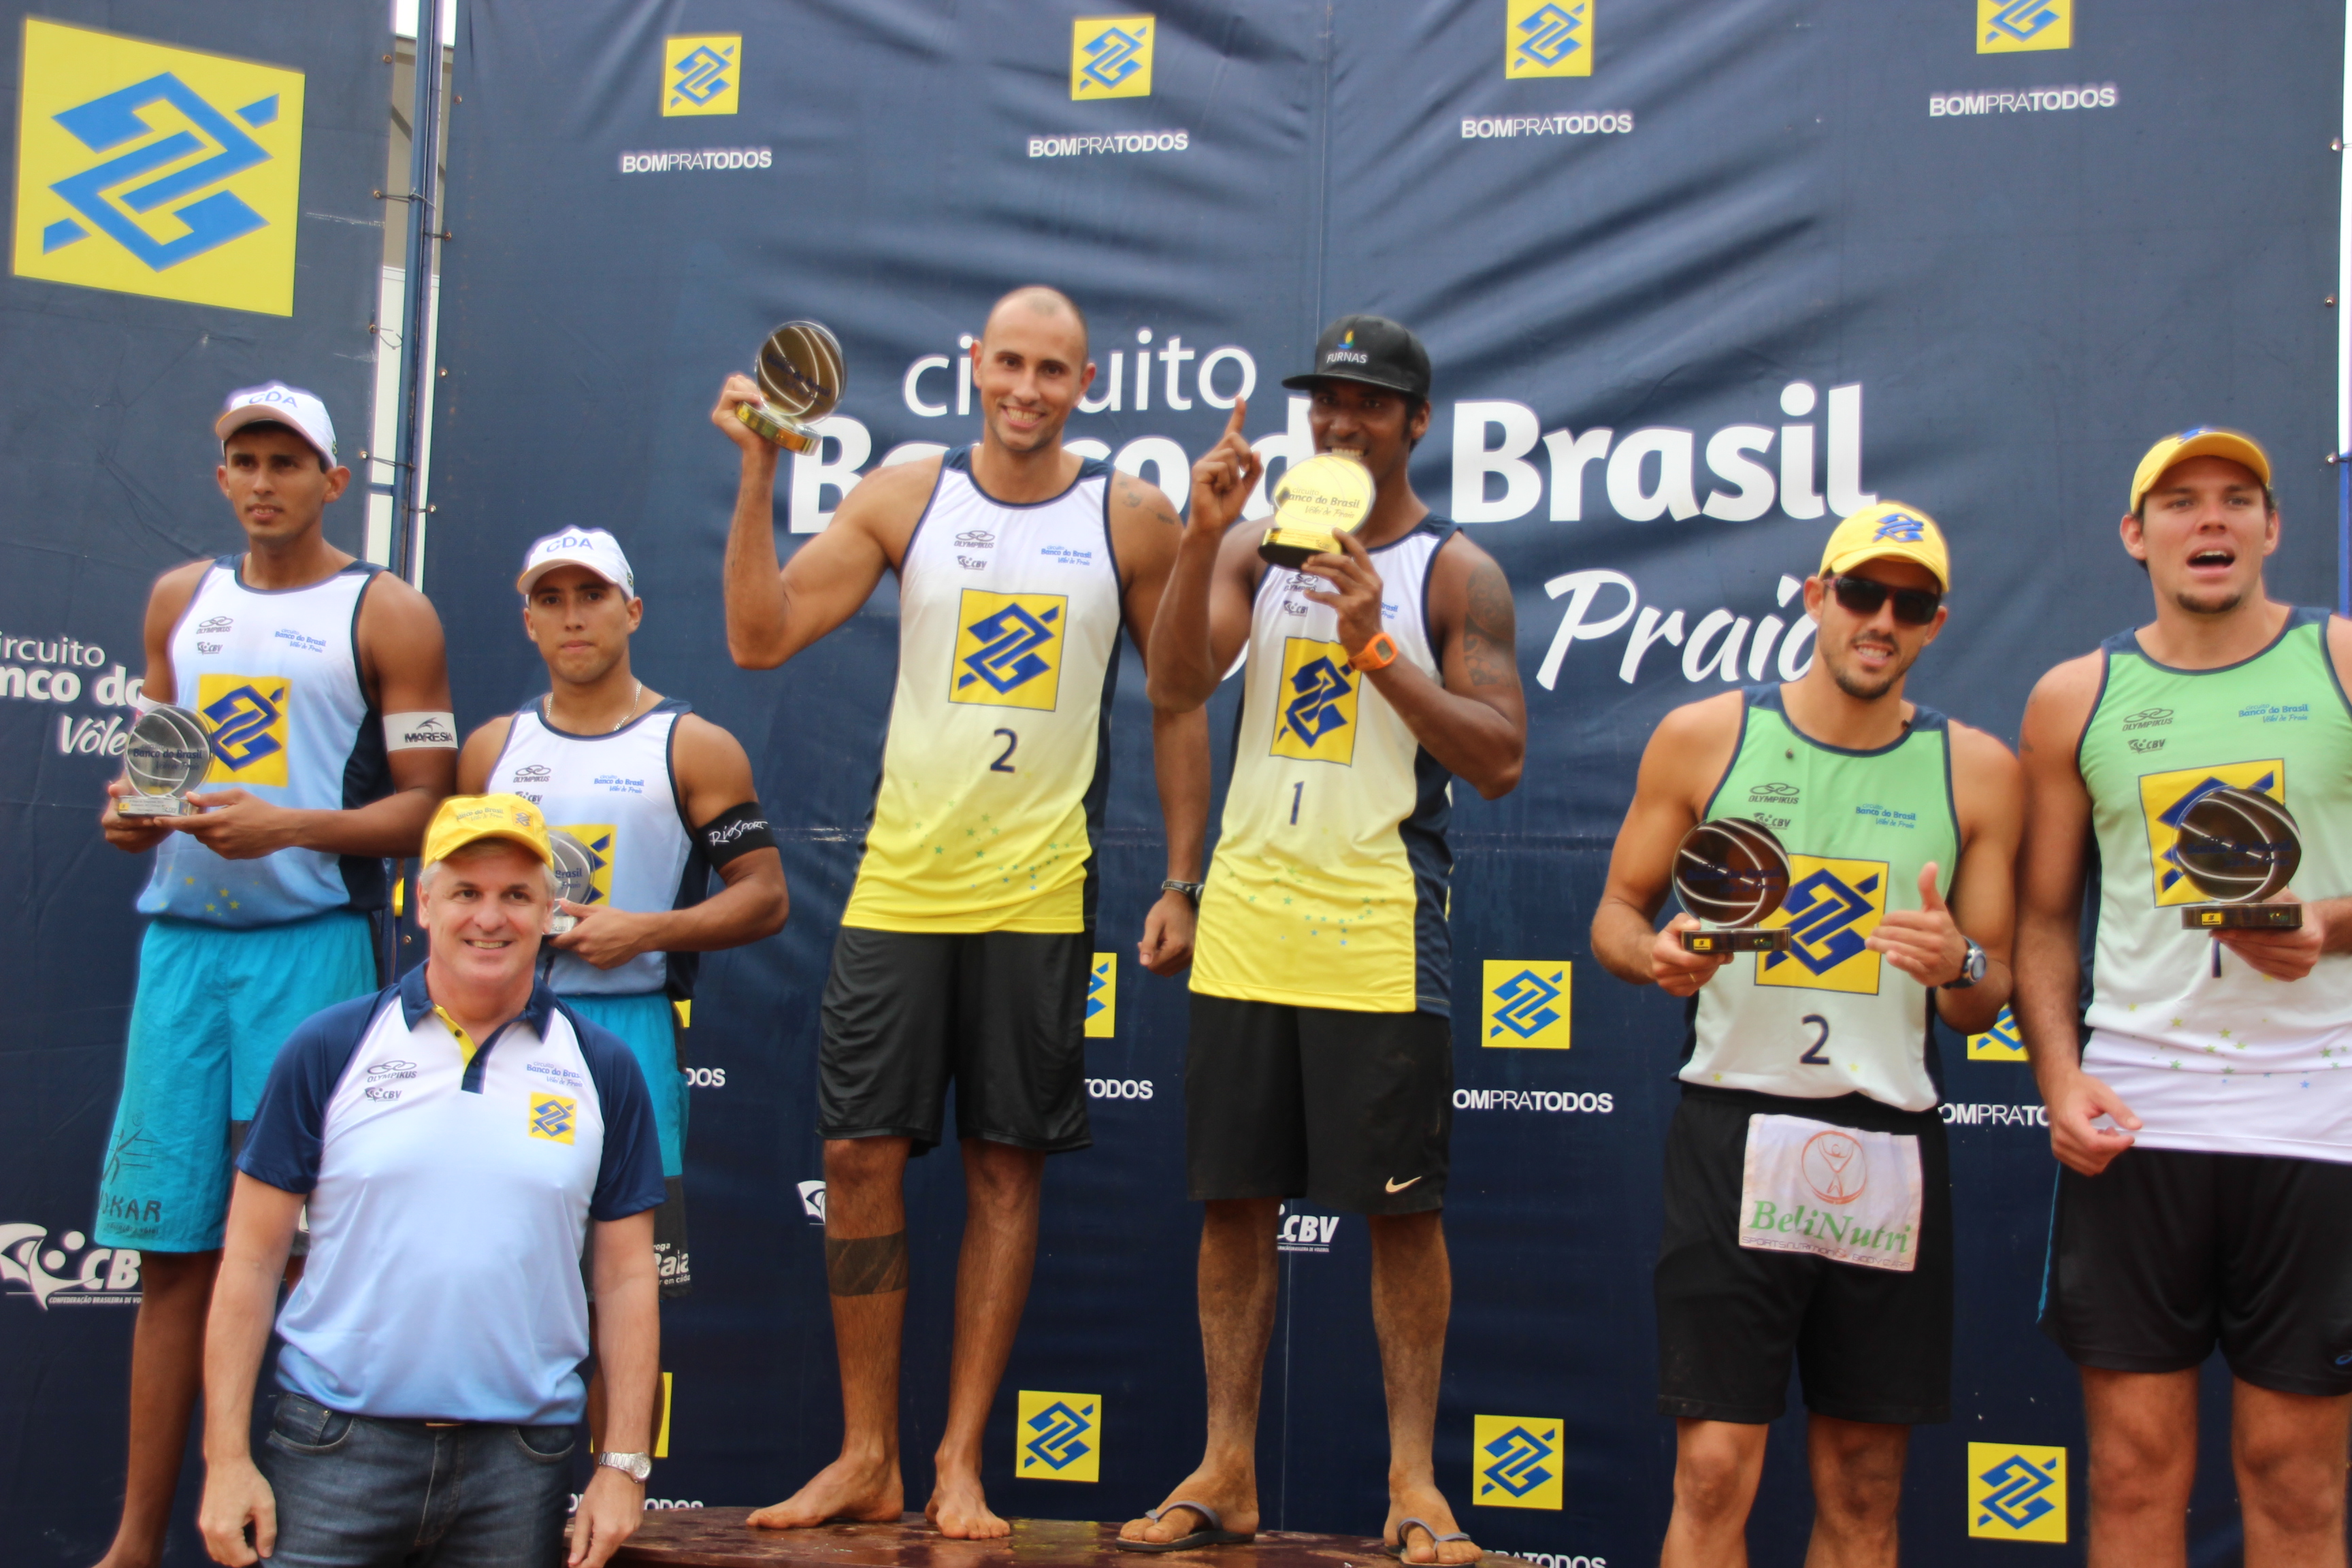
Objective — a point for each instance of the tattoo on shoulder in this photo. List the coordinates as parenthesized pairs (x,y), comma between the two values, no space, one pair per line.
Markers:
(1490,628)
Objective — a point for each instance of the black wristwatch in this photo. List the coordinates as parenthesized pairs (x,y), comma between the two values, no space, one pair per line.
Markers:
(1972,967)
(1190,889)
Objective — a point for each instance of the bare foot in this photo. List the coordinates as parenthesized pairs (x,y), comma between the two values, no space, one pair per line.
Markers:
(960,1511)
(845,1489)
(1427,1504)
(1234,1497)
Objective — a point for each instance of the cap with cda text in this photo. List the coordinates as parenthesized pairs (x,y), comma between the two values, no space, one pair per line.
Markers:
(466,820)
(1889,531)
(1369,349)
(299,410)
(2199,442)
(591,547)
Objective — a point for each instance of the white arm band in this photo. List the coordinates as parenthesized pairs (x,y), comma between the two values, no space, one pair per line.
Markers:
(420,732)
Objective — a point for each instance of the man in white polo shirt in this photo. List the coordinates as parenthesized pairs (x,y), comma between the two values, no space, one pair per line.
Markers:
(459,1136)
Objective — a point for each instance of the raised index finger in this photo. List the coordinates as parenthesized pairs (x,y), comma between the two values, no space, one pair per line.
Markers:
(1234,421)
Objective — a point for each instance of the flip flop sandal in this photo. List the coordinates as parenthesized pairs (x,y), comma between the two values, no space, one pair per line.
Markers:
(1216,1534)
(1397,1551)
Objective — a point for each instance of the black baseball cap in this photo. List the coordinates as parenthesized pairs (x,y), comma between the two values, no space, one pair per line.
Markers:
(1369,349)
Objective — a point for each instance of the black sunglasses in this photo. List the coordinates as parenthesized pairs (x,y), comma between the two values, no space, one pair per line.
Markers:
(1913,607)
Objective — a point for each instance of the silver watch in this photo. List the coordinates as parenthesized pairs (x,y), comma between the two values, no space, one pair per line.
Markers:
(1972,967)
(636,1467)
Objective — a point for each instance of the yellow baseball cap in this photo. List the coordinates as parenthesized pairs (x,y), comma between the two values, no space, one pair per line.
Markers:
(2203,441)
(464,819)
(1889,531)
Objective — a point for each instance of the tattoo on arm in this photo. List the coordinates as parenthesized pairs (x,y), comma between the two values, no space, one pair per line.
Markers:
(866,1265)
(1490,628)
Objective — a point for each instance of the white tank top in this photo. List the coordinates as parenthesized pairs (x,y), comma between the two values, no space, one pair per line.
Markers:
(276,676)
(996,766)
(617,795)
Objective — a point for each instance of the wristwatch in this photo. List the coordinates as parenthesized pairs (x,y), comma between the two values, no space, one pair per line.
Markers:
(1377,654)
(1190,889)
(636,1467)
(1972,967)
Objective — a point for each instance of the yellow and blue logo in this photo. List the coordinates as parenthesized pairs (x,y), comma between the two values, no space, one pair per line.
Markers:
(1317,723)
(1546,37)
(554,1118)
(1102,996)
(1516,1461)
(1902,527)
(1058,1437)
(1831,908)
(661,1433)
(702,73)
(2008,26)
(2164,799)
(2001,1043)
(152,170)
(246,716)
(596,837)
(1110,57)
(1008,651)
(1525,1004)
(2017,1491)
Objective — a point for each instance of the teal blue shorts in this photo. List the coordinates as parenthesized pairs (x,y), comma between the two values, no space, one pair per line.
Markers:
(214,1004)
(648,1022)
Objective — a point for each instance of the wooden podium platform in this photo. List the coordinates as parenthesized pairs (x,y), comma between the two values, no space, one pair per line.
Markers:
(717,1538)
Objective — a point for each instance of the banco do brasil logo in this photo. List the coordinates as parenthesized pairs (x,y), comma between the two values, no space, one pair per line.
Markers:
(1525,1004)
(246,716)
(1102,996)
(702,73)
(1058,1437)
(2010,26)
(2017,1491)
(1110,57)
(1516,1460)
(1009,649)
(152,170)
(1318,721)
(1831,908)
(1547,39)
(1900,528)
(2164,799)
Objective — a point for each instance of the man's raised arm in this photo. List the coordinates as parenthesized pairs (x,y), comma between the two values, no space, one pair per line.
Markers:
(1183,660)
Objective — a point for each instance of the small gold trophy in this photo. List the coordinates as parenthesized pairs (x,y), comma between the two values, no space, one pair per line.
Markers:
(2239,848)
(1315,501)
(802,379)
(1733,875)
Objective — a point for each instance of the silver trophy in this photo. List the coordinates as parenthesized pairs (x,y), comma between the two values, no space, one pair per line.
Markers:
(575,878)
(2239,848)
(167,756)
(1733,875)
(801,378)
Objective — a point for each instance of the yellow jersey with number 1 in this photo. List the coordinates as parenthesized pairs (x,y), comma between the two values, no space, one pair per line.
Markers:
(997,762)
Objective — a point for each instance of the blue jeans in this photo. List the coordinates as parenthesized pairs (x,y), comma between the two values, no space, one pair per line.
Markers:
(353,1492)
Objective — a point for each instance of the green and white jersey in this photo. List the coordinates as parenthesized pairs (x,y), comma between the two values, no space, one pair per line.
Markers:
(2234,1062)
(1830,1016)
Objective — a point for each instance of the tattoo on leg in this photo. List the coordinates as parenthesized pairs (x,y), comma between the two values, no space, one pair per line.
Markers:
(866,1265)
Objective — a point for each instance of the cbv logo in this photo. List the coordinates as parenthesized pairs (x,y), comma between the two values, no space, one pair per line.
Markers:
(29,1267)
(1306,1232)
(1314,709)
(1060,1436)
(1523,1005)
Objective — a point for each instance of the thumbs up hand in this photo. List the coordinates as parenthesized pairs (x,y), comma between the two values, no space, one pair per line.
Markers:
(1923,943)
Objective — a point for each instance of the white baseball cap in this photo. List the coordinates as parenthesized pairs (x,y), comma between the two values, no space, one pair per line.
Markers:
(591,547)
(299,410)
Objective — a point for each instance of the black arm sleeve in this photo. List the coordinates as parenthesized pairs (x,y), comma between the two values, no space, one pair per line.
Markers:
(737,830)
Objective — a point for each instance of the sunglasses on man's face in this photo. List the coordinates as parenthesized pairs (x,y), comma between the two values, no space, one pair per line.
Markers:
(1913,607)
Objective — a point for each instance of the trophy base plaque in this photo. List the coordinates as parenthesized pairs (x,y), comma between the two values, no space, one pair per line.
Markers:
(152,805)
(1293,547)
(789,434)
(1755,938)
(2242,917)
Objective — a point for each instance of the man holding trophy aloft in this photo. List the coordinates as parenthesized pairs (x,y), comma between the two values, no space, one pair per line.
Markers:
(1859,847)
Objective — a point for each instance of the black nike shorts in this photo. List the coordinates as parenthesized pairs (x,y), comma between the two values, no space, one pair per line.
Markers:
(1354,1111)
(2168,1252)
(1870,1344)
(1000,1014)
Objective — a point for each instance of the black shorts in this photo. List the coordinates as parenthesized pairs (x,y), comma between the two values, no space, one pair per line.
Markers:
(1870,1345)
(1354,1111)
(2170,1251)
(1002,1014)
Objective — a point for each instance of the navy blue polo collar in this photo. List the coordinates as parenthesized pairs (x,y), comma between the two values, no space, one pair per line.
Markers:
(416,1002)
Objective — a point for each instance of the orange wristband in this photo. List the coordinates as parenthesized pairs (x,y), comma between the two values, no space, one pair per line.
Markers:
(1377,654)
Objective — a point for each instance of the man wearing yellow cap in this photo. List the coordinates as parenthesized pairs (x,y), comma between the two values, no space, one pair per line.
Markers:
(2199,1106)
(1808,1204)
(464,1138)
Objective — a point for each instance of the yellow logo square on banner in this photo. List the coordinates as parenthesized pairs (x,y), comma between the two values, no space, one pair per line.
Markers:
(1831,908)
(597,839)
(661,1436)
(1102,996)
(152,170)
(1515,1461)
(1110,57)
(1524,1002)
(247,716)
(554,1118)
(2017,1491)
(2007,27)
(2001,1043)
(2164,799)
(1546,37)
(1008,650)
(701,73)
(1318,721)
(1058,1437)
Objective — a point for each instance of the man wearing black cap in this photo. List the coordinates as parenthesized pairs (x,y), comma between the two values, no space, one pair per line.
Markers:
(1321,1056)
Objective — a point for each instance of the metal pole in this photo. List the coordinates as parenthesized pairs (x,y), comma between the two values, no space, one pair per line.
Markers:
(424,233)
